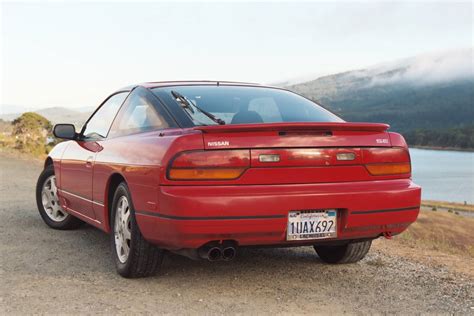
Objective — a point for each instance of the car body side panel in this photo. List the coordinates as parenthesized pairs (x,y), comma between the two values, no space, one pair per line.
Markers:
(76,176)
(137,159)
(56,154)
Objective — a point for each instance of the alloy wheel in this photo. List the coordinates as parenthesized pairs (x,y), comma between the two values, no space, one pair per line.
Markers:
(50,201)
(122,229)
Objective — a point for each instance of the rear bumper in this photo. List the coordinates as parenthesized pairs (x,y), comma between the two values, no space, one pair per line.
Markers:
(191,216)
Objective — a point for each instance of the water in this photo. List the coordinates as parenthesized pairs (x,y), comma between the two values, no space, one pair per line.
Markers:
(444,175)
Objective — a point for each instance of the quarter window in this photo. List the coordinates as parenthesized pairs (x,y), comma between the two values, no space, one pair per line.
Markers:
(138,115)
(99,124)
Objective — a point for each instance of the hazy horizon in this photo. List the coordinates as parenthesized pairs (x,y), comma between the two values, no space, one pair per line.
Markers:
(68,61)
(421,72)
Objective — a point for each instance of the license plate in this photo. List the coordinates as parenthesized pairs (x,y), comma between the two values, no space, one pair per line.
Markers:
(304,225)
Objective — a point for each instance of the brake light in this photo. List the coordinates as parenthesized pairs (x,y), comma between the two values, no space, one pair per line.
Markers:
(209,165)
(387,161)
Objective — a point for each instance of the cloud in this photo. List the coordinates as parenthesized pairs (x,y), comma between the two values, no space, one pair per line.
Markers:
(423,69)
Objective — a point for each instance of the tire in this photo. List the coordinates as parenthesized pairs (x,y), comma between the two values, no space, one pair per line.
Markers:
(48,204)
(142,259)
(349,253)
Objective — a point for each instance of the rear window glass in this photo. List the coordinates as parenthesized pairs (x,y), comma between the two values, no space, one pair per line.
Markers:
(248,105)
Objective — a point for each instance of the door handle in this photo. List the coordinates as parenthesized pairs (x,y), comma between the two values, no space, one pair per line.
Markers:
(89,161)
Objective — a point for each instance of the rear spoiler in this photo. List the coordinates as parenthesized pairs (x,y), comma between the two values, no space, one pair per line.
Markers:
(303,126)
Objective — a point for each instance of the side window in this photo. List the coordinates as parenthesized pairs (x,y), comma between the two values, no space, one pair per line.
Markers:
(99,125)
(138,115)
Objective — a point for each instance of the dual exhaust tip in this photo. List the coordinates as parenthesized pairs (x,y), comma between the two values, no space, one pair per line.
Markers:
(216,253)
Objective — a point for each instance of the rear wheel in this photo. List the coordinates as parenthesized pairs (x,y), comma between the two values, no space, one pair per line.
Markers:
(349,253)
(134,256)
(47,202)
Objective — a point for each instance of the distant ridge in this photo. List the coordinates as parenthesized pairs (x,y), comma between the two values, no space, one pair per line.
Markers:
(56,115)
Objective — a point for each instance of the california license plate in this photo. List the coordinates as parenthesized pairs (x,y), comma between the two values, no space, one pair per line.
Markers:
(309,224)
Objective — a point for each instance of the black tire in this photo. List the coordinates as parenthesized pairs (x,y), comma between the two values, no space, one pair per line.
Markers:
(69,221)
(349,253)
(144,259)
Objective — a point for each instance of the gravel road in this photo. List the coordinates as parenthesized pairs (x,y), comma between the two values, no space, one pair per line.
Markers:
(48,271)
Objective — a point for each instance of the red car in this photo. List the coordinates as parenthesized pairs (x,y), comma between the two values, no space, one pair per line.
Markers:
(203,168)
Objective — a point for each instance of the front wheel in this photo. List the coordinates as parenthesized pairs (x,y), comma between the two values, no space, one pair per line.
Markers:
(134,256)
(348,253)
(47,202)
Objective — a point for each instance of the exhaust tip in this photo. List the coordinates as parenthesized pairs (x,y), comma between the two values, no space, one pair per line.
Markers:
(214,254)
(228,253)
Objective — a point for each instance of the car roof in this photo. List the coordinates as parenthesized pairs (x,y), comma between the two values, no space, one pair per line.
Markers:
(157,84)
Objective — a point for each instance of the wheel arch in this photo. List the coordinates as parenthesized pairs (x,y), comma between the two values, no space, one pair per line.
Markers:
(114,181)
(48,161)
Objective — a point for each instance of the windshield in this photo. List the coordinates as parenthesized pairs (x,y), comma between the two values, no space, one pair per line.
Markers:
(249,105)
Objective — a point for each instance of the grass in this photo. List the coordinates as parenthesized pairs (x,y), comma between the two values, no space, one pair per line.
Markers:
(445,232)
(448,205)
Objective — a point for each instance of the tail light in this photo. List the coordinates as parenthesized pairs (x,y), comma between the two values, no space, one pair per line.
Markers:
(387,161)
(209,165)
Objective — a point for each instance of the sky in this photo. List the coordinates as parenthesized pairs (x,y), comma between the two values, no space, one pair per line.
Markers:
(75,54)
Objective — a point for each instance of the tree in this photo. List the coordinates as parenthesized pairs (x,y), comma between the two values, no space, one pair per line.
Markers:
(31,131)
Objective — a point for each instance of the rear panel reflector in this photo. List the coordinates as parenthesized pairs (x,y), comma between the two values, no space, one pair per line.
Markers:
(304,157)
(269,158)
(345,156)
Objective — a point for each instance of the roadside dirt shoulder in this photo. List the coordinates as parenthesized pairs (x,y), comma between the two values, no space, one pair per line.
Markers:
(436,239)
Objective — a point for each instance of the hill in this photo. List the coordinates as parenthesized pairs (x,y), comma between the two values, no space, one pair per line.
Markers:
(56,115)
(423,95)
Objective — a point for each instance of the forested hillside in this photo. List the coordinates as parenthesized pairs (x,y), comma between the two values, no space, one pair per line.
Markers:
(432,105)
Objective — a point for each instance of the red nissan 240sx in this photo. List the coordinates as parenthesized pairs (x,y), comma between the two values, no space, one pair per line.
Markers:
(203,168)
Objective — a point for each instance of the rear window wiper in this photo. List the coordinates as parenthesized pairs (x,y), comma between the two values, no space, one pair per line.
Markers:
(185,103)
(189,105)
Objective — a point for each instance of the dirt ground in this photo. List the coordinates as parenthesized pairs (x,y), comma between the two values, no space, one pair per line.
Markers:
(48,271)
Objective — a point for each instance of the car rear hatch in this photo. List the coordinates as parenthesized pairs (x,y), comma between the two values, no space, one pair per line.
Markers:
(296,153)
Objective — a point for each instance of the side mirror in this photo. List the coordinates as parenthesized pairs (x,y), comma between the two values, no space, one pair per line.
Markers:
(64,131)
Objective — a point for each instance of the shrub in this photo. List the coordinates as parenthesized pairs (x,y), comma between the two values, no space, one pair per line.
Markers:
(30,131)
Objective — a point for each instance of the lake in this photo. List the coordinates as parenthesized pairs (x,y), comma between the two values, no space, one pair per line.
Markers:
(444,175)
